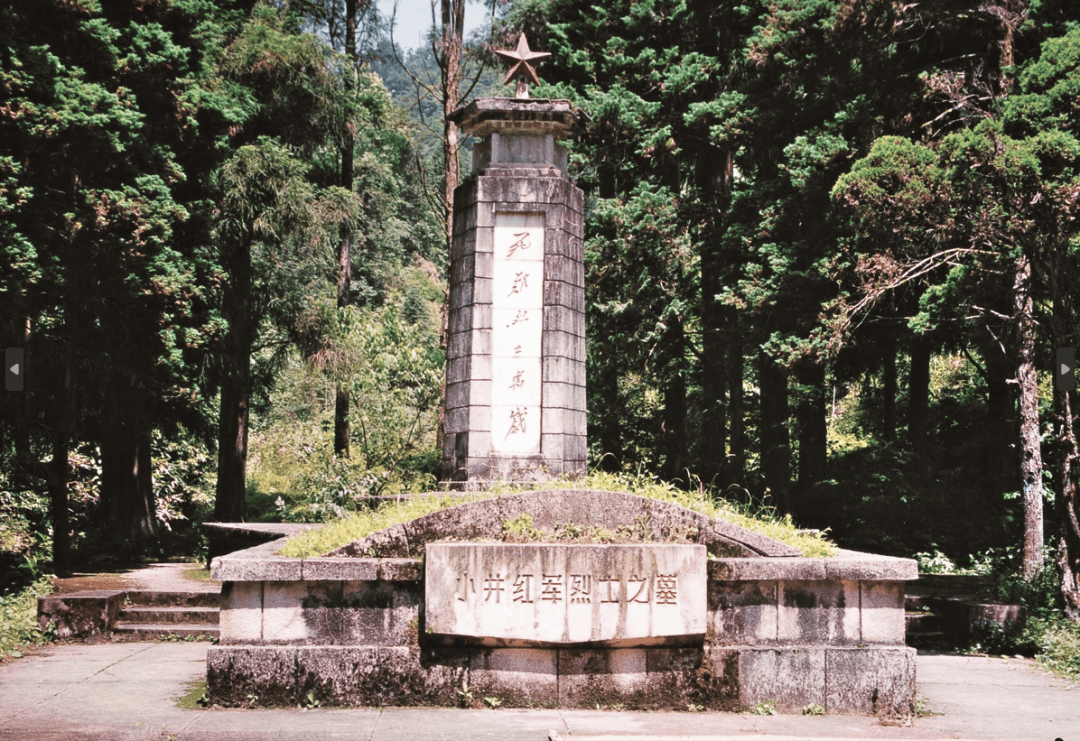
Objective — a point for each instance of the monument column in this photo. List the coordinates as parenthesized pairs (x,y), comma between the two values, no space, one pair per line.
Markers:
(515,378)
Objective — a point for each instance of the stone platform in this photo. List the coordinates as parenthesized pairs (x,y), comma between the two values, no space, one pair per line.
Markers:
(391,631)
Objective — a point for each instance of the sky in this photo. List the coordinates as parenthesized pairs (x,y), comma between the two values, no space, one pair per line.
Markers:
(414,19)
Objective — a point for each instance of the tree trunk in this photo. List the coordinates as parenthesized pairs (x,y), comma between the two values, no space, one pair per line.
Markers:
(58,503)
(813,427)
(127,490)
(1069,511)
(713,456)
(453,21)
(736,469)
(889,389)
(449,60)
(918,413)
(999,462)
(229,505)
(714,176)
(775,445)
(604,423)
(674,426)
(232,449)
(344,277)
(1030,451)
(57,472)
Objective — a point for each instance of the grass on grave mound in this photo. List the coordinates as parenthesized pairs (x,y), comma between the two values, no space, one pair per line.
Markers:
(763,521)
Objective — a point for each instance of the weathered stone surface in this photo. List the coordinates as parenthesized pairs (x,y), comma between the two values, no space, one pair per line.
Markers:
(588,678)
(483,519)
(365,675)
(336,675)
(791,677)
(233,673)
(742,613)
(409,676)
(870,680)
(80,614)
(283,620)
(818,613)
(716,681)
(854,565)
(565,594)
(240,620)
(256,566)
(519,677)
(759,569)
(882,612)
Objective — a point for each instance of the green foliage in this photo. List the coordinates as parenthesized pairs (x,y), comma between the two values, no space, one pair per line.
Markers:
(813,709)
(764,707)
(393,369)
(1058,642)
(764,521)
(18,618)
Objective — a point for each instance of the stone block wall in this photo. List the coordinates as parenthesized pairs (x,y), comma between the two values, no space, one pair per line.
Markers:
(791,631)
(468,453)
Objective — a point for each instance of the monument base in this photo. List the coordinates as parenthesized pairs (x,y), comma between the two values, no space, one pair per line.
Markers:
(355,631)
(842,680)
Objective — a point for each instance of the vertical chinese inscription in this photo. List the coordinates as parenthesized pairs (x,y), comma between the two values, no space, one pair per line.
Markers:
(517,331)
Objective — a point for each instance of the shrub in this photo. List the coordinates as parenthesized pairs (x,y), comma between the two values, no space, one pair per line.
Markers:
(18,618)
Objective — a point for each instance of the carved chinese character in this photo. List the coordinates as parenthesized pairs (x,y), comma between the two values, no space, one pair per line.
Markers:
(666,585)
(465,584)
(521,282)
(606,594)
(553,588)
(580,588)
(523,588)
(642,592)
(493,585)
(519,380)
(517,421)
(517,350)
(521,316)
(523,243)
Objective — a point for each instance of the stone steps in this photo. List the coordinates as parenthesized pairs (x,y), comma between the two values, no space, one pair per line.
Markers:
(158,614)
(160,630)
(947,610)
(170,615)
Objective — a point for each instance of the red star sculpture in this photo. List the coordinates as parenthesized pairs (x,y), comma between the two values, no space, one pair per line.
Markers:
(522,70)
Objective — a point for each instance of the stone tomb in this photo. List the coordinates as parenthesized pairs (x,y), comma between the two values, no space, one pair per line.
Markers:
(742,620)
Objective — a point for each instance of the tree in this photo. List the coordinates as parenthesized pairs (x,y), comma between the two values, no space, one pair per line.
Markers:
(1043,111)
(271,207)
(105,233)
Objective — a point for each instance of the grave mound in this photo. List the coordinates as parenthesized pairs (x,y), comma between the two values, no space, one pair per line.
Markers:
(486,519)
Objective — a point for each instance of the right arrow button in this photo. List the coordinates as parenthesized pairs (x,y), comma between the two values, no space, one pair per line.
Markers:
(1065,378)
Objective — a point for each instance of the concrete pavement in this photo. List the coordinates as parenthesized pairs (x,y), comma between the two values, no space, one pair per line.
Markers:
(122,691)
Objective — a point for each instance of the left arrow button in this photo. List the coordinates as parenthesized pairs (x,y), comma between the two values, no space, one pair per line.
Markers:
(15,366)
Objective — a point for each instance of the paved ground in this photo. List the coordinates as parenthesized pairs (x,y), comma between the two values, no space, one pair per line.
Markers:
(157,577)
(122,691)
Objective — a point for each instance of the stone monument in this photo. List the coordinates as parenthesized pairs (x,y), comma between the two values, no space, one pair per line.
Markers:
(515,377)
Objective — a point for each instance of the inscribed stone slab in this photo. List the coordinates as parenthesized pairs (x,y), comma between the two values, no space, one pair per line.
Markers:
(565,594)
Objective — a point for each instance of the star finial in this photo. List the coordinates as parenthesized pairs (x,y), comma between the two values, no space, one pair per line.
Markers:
(522,70)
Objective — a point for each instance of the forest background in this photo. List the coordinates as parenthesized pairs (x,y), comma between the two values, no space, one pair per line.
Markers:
(830,253)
